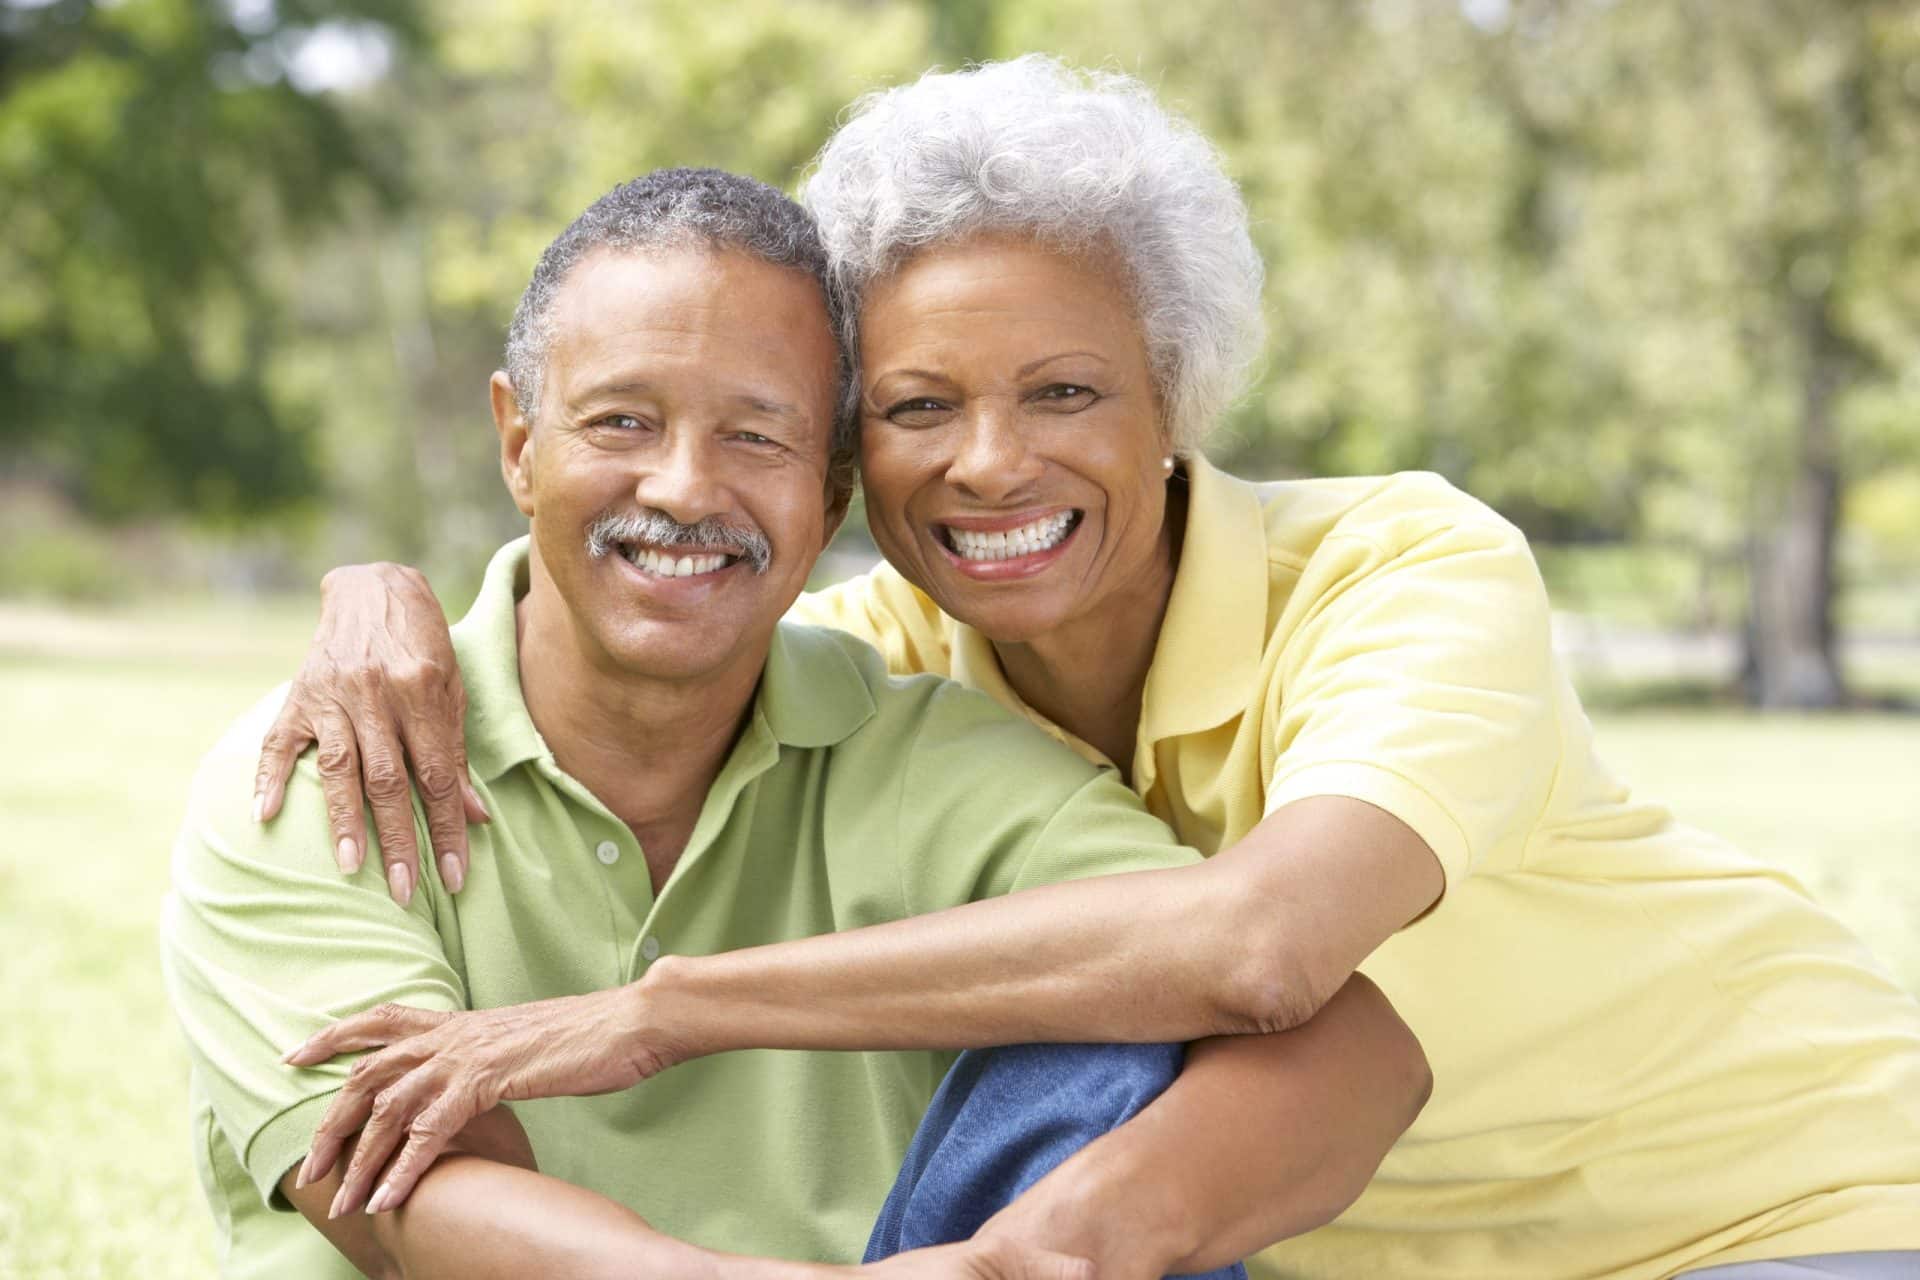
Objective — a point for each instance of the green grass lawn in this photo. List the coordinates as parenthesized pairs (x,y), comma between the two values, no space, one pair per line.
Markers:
(97,748)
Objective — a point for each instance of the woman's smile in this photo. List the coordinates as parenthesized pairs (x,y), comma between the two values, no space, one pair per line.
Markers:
(1015,545)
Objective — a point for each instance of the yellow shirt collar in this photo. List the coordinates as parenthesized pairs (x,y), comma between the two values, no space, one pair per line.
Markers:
(1207,660)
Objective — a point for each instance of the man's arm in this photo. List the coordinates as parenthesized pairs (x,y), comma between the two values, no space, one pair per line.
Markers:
(1261,1138)
(484,1210)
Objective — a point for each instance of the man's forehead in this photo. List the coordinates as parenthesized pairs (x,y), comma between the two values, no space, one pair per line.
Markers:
(725,309)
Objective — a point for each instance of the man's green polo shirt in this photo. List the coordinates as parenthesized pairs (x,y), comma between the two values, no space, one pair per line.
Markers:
(850,799)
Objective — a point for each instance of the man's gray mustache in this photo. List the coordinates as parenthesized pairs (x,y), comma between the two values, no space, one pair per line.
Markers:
(658,529)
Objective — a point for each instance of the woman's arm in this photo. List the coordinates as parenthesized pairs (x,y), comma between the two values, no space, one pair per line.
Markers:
(380,693)
(1249,941)
(1256,938)
(1260,1138)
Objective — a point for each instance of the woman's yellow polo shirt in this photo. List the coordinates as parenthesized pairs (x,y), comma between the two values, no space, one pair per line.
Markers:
(1650,1052)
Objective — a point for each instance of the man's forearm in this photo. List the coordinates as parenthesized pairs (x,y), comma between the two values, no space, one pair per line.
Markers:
(473,1219)
(482,1211)
(1261,1138)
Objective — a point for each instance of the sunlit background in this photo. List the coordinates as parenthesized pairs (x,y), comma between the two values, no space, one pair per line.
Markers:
(1643,275)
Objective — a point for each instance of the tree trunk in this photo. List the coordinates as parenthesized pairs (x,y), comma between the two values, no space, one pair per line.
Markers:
(1790,659)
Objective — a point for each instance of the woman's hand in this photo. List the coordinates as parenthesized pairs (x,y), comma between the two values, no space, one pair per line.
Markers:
(439,1070)
(381,693)
(981,1259)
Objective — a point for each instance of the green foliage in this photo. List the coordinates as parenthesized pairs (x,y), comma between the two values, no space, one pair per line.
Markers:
(150,151)
(1591,261)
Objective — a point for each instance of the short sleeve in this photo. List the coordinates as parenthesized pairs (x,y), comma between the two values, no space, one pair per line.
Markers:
(263,942)
(889,613)
(1419,677)
(991,805)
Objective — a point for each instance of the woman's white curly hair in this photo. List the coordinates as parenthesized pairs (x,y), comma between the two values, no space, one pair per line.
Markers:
(1083,161)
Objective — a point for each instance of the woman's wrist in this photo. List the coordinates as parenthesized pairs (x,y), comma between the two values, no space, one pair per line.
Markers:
(661,1025)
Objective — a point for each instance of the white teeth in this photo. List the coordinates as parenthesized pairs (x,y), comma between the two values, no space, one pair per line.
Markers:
(650,560)
(1026,540)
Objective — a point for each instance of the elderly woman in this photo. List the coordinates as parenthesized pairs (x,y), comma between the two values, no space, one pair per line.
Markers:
(1650,1053)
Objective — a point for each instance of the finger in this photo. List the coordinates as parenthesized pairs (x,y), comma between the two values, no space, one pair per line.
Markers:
(440,771)
(1059,1266)
(339,766)
(388,1123)
(345,1114)
(373,1029)
(432,1130)
(289,736)
(383,770)
(470,799)
(476,807)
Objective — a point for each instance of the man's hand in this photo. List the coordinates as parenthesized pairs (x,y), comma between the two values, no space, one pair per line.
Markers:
(439,1070)
(981,1259)
(381,693)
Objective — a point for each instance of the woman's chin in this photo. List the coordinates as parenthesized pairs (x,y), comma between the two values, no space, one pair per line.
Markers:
(1005,615)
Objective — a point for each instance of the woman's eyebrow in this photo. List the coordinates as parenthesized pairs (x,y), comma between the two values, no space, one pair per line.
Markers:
(1044,361)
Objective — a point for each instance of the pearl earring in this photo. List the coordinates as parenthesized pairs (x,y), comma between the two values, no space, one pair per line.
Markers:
(1166,464)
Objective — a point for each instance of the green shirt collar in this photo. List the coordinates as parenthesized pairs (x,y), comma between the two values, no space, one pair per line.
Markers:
(810,695)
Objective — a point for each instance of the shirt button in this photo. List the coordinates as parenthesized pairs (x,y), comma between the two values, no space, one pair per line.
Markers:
(649,948)
(608,853)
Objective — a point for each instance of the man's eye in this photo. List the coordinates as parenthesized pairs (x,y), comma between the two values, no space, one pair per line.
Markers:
(621,422)
(751,437)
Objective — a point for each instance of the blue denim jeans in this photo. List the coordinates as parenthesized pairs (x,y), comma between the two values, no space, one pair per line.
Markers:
(1001,1120)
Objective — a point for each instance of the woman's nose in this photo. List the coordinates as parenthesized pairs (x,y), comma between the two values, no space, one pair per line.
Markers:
(992,461)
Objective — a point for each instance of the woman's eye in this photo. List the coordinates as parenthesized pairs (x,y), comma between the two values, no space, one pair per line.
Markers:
(1066,393)
(752,437)
(918,409)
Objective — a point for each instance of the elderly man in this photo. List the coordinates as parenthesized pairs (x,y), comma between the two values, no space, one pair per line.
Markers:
(669,768)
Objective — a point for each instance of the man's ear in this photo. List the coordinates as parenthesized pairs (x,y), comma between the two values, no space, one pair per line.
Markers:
(836,512)
(516,433)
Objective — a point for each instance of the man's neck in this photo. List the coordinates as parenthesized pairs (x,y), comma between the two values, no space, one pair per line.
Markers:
(648,749)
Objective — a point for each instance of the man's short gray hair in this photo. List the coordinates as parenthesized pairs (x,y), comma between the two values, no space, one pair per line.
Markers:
(1087,162)
(670,209)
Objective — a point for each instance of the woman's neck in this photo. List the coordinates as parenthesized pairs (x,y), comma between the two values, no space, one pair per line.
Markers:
(1090,676)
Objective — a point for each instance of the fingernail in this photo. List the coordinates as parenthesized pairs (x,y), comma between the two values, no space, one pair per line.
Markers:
(485,814)
(348,855)
(379,1202)
(259,805)
(451,873)
(333,1210)
(400,880)
(306,1172)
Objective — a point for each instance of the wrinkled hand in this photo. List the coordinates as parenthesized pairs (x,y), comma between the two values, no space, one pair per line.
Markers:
(981,1259)
(439,1070)
(380,692)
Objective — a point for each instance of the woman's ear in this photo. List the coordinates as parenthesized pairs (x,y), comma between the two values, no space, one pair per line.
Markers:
(516,434)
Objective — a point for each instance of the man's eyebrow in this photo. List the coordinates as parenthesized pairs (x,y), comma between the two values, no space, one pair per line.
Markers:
(605,391)
(766,405)
(757,402)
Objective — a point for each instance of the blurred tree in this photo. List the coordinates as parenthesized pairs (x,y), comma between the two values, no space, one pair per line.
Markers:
(530,112)
(149,151)
(1632,269)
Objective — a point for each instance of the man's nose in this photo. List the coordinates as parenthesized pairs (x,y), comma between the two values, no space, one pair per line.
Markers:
(683,479)
(993,460)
